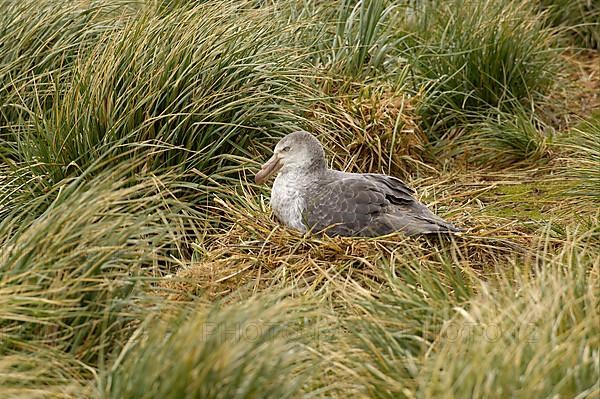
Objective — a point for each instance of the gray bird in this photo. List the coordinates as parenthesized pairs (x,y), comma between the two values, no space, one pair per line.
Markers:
(308,196)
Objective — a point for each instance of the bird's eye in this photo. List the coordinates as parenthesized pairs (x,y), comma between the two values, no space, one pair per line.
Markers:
(285,149)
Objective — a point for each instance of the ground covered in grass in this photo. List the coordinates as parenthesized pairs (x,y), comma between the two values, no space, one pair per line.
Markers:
(139,260)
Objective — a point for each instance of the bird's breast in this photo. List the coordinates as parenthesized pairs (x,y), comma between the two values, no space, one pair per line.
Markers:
(288,201)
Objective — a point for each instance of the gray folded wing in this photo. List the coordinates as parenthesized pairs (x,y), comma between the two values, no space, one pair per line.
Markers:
(369,205)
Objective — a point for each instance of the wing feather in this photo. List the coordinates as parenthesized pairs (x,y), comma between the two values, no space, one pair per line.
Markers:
(369,204)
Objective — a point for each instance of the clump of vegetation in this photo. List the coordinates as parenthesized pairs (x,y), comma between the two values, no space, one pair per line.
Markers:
(507,139)
(138,259)
(203,80)
(479,56)
(241,351)
(41,42)
(579,19)
(72,264)
(363,37)
(517,339)
(583,144)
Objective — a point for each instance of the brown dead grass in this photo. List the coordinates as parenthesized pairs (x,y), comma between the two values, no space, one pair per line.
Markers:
(577,92)
(586,73)
(373,128)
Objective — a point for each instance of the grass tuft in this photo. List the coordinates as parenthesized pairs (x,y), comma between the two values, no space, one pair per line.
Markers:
(583,146)
(242,351)
(72,263)
(473,56)
(516,338)
(579,19)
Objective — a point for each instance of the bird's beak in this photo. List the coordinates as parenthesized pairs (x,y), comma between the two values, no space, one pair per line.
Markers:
(271,167)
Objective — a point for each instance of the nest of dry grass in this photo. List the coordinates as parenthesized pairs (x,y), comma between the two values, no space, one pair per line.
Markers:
(255,254)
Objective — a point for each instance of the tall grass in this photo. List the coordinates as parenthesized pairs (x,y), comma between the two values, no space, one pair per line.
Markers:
(363,38)
(349,40)
(43,373)
(394,327)
(243,351)
(41,41)
(583,148)
(475,56)
(72,269)
(537,338)
(579,19)
(202,79)
(506,139)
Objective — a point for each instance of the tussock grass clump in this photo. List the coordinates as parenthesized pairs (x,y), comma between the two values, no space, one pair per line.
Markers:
(72,267)
(203,79)
(355,40)
(580,20)
(476,55)
(516,338)
(390,329)
(373,128)
(249,350)
(506,140)
(582,144)
(363,41)
(41,40)
(441,330)
(43,373)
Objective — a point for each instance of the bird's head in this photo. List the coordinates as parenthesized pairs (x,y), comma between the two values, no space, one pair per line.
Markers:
(298,150)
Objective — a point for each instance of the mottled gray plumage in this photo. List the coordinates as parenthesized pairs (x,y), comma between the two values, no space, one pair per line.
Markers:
(307,195)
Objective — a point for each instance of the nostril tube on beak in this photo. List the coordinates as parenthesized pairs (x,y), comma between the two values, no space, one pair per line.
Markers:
(271,167)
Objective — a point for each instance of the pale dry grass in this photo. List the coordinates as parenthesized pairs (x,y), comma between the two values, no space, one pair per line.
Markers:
(257,254)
